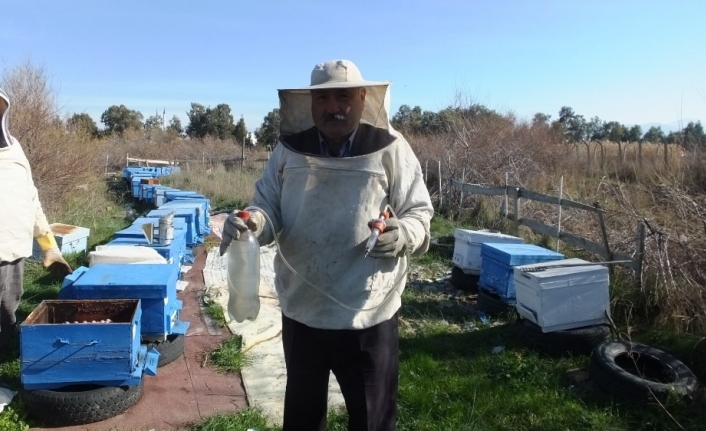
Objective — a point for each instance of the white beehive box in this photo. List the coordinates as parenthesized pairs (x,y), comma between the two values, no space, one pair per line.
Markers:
(467,244)
(70,239)
(563,297)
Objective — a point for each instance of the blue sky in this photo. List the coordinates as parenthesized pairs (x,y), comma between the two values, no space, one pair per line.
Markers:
(636,62)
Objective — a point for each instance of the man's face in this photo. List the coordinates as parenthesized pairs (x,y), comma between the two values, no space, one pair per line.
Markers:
(337,112)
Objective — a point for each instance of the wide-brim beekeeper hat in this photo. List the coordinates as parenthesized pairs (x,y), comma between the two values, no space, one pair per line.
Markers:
(295,103)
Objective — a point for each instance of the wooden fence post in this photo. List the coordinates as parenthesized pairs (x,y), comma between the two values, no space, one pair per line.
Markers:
(604,235)
(640,254)
(507,203)
(460,201)
(518,194)
(558,226)
(441,195)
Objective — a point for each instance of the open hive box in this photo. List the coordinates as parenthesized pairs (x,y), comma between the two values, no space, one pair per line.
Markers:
(65,342)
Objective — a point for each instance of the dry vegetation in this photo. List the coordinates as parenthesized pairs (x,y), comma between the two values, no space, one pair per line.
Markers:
(632,182)
(69,169)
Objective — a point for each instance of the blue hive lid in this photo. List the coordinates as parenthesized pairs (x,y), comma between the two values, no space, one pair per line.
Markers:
(129,277)
(518,254)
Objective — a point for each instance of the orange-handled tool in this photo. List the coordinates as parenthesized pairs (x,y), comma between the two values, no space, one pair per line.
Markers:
(377,226)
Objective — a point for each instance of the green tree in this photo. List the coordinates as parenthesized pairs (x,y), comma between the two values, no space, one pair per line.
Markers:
(566,114)
(216,122)
(174,126)
(82,123)
(693,135)
(540,119)
(594,129)
(241,132)
(268,133)
(220,121)
(119,119)
(654,134)
(613,131)
(633,134)
(154,122)
(408,119)
(198,121)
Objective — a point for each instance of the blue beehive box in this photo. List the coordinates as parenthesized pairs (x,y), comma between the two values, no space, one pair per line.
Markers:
(129,171)
(135,182)
(498,260)
(202,207)
(147,192)
(135,229)
(188,214)
(56,352)
(174,253)
(173,195)
(153,284)
(159,198)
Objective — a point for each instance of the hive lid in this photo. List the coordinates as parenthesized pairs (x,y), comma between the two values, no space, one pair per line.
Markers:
(518,254)
(560,276)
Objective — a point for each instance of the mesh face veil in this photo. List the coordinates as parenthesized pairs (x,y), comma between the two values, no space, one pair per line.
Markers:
(5,140)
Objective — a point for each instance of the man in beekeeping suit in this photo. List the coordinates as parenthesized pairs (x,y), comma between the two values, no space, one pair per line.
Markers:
(21,220)
(338,164)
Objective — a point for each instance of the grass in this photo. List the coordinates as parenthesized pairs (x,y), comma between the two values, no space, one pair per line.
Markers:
(229,356)
(227,189)
(450,377)
(216,313)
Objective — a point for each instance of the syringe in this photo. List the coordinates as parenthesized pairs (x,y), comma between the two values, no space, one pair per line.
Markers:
(377,226)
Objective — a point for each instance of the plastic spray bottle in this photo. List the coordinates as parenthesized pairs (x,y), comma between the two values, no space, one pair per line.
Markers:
(244,275)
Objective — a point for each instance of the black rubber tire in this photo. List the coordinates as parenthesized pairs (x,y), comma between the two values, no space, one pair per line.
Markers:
(638,372)
(462,281)
(80,404)
(169,350)
(491,304)
(579,341)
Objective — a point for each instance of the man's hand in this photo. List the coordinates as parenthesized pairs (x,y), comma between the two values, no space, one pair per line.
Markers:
(391,243)
(234,226)
(54,262)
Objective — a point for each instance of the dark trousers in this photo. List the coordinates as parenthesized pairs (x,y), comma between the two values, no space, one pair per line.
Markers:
(10,295)
(365,363)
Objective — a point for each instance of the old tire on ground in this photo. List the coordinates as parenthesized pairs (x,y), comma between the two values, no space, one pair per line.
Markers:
(169,349)
(581,341)
(462,281)
(638,372)
(491,304)
(80,404)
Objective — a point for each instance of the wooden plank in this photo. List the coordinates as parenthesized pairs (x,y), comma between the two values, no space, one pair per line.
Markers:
(528,194)
(479,190)
(588,245)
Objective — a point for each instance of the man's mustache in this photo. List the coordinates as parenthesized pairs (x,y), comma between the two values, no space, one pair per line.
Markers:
(335,117)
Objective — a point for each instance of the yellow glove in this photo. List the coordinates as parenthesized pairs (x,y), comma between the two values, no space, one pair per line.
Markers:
(52,259)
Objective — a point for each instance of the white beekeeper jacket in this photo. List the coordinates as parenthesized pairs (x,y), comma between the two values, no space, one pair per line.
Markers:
(21,215)
(320,207)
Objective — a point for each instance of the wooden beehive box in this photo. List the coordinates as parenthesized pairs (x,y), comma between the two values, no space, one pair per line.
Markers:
(560,298)
(498,261)
(153,284)
(56,351)
(467,247)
